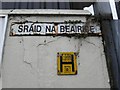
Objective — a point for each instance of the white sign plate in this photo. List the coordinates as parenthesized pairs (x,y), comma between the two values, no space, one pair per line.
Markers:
(46,28)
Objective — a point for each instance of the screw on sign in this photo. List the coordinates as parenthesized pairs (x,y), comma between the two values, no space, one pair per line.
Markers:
(66,63)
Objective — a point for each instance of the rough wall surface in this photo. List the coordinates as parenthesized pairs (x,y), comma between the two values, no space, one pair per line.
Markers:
(31,61)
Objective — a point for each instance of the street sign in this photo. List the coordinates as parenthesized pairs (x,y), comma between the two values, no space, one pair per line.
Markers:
(66,63)
(50,28)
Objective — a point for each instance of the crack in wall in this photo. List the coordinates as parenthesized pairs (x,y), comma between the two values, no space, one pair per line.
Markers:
(78,50)
(46,43)
(24,50)
(92,43)
(29,63)
(80,44)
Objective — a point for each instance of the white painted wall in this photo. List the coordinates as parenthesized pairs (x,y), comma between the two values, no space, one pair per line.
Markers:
(31,61)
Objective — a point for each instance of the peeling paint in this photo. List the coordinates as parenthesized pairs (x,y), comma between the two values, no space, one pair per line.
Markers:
(90,27)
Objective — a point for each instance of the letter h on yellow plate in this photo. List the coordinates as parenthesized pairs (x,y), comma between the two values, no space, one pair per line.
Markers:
(66,63)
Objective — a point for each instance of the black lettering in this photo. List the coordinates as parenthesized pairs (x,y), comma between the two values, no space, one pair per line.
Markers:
(31,28)
(39,28)
(26,28)
(67,28)
(72,29)
(86,29)
(79,28)
(82,29)
(20,28)
(62,29)
(48,28)
(53,29)
(62,63)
